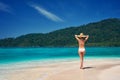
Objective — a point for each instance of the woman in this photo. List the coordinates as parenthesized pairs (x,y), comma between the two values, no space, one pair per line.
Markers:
(81,42)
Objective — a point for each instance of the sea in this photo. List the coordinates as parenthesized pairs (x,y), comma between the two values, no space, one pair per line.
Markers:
(18,55)
(43,55)
(12,59)
(15,55)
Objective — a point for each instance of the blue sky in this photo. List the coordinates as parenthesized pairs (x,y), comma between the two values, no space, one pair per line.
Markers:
(19,17)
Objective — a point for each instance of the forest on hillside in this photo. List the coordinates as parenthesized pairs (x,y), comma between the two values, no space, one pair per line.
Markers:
(102,33)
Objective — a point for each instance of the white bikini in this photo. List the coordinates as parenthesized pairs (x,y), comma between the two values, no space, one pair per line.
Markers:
(81,49)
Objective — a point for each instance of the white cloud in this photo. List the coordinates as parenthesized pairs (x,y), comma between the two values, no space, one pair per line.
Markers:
(5,8)
(47,14)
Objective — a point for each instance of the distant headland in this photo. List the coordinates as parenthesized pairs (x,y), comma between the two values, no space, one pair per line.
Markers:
(103,33)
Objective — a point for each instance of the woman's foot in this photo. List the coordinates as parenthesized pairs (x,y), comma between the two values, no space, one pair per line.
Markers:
(81,68)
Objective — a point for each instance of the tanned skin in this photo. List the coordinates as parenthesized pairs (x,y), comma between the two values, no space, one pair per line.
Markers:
(81,43)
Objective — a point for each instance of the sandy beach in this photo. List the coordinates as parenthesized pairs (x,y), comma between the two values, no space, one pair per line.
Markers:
(94,69)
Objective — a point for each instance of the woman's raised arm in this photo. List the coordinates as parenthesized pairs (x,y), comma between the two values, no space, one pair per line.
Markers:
(87,36)
(76,37)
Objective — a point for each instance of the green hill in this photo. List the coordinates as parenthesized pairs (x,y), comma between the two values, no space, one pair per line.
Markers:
(102,33)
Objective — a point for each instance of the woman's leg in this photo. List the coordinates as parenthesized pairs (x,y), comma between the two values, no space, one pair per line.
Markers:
(81,59)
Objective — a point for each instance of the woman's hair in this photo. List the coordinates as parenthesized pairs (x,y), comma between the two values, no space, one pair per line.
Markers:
(82,38)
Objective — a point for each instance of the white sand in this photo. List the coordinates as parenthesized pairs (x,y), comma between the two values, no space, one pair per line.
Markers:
(106,69)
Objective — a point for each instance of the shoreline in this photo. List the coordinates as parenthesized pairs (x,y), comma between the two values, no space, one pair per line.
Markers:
(58,70)
(42,61)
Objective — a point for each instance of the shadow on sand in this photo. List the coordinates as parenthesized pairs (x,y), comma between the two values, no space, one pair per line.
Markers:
(88,67)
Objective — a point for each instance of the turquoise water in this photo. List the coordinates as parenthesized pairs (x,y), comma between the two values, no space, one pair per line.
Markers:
(13,55)
(20,59)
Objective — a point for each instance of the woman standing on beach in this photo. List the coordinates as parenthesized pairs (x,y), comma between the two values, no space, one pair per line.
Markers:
(81,42)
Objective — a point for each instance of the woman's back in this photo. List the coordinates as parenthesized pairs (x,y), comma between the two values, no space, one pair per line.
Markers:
(81,43)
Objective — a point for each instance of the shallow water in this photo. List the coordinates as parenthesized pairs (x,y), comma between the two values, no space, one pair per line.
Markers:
(13,55)
(19,59)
